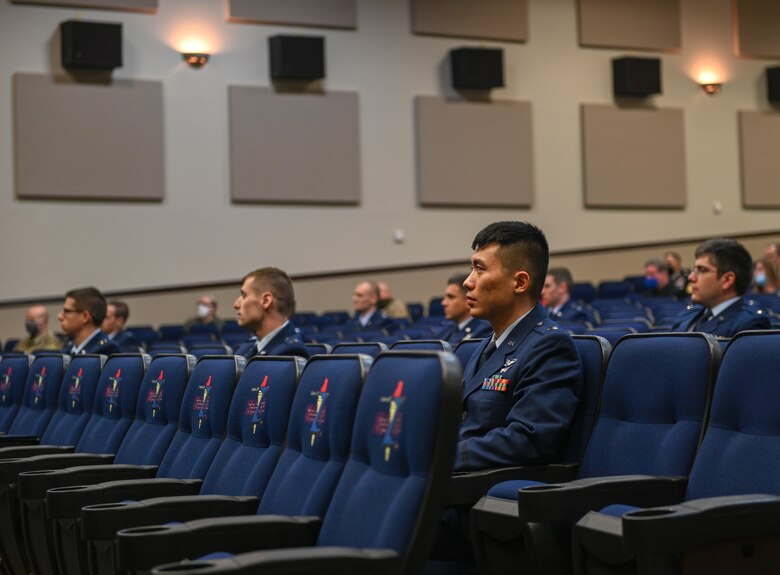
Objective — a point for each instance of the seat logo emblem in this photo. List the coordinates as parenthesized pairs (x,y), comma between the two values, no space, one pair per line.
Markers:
(38,385)
(256,406)
(202,402)
(156,393)
(390,423)
(5,384)
(315,413)
(112,391)
(75,388)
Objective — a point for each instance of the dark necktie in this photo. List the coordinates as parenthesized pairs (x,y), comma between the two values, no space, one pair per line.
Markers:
(491,347)
(703,318)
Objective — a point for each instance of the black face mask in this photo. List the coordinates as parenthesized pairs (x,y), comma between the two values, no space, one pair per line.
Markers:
(31,327)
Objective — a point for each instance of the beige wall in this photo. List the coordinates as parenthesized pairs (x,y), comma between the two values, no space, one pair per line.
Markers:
(197,236)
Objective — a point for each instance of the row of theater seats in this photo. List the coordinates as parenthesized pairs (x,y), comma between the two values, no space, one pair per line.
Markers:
(681,473)
(337,450)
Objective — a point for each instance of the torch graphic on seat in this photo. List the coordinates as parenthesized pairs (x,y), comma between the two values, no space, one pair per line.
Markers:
(395,402)
(39,384)
(114,389)
(6,385)
(256,415)
(157,386)
(322,397)
(74,394)
(202,411)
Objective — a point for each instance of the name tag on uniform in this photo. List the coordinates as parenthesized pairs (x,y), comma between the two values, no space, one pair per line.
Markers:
(495,383)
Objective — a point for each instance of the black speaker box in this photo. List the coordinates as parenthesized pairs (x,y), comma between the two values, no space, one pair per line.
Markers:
(477,68)
(773,84)
(636,77)
(91,45)
(297,57)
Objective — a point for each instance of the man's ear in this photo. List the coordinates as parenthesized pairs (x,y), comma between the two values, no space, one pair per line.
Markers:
(522,282)
(727,280)
(266,299)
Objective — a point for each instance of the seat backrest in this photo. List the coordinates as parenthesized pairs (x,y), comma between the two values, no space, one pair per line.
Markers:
(594,352)
(41,391)
(373,348)
(115,401)
(171,332)
(157,410)
(200,349)
(77,398)
(256,428)
(740,452)
(654,404)
(14,368)
(466,348)
(203,418)
(421,344)
(393,488)
(318,348)
(319,435)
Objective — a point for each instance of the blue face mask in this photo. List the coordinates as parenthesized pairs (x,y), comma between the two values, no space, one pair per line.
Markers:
(651,283)
(760,278)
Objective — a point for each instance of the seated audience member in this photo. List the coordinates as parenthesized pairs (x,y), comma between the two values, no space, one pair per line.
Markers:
(522,386)
(457,310)
(114,323)
(719,279)
(365,302)
(678,276)
(391,306)
(765,278)
(80,320)
(557,298)
(206,315)
(39,337)
(657,280)
(265,306)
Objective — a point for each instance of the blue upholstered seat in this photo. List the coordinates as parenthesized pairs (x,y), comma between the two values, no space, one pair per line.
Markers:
(14,368)
(41,392)
(368,348)
(421,344)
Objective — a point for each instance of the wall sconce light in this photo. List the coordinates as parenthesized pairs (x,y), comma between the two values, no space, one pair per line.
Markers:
(195,59)
(711,88)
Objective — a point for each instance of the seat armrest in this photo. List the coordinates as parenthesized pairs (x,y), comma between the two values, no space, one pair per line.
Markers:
(153,545)
(101,522)
(35,484)
(466,488)
(33,450)
(568,502)
(321,560)
(677,528)
(12,440)
(11,468)
(66,502)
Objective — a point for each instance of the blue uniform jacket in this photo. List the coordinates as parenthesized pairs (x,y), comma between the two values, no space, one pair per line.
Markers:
(98,344)
(286,342)
(475,328)
(735,318)
(377,320)
(573,312)
(125,338)
(519,405)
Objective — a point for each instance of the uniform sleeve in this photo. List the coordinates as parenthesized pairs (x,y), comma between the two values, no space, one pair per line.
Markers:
(545,392)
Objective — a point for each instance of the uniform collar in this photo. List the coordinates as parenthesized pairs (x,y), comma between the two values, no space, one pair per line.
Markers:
(263,343)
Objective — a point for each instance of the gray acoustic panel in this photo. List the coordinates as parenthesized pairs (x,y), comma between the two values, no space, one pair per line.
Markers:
(757,24)
(325,13)
(643,24)
(759,135)
(294,147)
(474,154)
(88,141)
(489,19)
(125,5)
(633,158)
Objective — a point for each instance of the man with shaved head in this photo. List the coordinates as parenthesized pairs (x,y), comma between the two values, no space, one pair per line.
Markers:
(39,336)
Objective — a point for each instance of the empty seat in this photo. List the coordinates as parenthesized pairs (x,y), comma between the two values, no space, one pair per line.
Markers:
(13,375)
(369,348)
(422,344)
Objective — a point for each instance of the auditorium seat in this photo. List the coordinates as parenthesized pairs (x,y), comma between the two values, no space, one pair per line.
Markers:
(369,348)
(724,520)
(465,349)
(318,348)
(391,493)
(421,344)
(654,404)
(14,368)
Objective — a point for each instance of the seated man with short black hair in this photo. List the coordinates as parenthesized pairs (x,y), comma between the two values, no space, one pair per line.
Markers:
(718,280)
(80,320)
(265,306)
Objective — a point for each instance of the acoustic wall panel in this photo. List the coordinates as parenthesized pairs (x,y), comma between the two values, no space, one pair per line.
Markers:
(757,24)
(489,19)
(633,158)
(125,5)
(653,25)
(759,135)
(88,141)
(294,147)
(474,154)
(326,13)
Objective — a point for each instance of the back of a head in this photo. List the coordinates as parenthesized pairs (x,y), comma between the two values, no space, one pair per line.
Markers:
(728,255)
(90,299)
(280,285)
(521,246)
